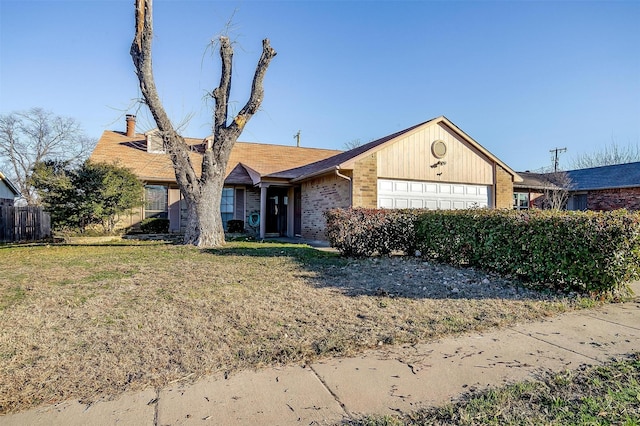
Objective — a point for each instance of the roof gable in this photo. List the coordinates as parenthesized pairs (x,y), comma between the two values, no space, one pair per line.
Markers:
(347,159)
(12,188)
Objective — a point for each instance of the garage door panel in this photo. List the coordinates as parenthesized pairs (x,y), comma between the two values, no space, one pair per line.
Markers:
(431,195)
(416,187)
(401,186)
(445,189)
(401,203)
(385,185)
(431,204)
(385,203)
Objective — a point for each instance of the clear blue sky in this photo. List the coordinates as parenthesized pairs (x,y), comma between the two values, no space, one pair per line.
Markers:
(519,77)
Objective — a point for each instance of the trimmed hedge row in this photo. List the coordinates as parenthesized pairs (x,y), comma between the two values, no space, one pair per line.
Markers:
(585,251)
(364,232)
(154,225)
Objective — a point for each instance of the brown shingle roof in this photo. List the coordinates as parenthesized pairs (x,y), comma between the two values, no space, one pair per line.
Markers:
(261,158)
(342,157)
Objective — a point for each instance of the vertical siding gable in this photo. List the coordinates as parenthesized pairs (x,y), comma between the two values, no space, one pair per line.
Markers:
(411,158)
(5,191)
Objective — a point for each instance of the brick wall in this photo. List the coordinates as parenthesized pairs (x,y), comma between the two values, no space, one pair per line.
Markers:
(318,196)
(504,188)
(612,199)
(365,182)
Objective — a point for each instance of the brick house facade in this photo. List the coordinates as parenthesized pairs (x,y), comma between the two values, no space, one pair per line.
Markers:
(613,199)
(605,188)
(284,190)
(504,188)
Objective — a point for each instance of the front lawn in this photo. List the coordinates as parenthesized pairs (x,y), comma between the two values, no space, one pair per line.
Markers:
(87,321)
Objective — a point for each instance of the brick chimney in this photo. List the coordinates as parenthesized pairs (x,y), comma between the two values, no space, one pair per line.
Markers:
(131,125)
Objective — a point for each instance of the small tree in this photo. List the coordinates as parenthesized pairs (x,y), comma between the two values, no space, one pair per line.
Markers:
(93,193)
(556,192)
(31,137)
(353,143)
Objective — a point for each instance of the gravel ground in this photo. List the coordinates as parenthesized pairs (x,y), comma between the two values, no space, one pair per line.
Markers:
(413,278)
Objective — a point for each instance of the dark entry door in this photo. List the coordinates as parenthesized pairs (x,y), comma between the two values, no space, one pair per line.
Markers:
(276,221)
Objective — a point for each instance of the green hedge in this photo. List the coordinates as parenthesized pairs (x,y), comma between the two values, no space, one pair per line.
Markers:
(154,225)
(364,232)
(584,251)
(235,226)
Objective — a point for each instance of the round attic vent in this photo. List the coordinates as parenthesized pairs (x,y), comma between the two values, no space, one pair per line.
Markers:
(439,149)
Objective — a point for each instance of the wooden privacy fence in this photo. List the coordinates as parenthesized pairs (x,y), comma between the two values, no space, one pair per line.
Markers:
(24,224)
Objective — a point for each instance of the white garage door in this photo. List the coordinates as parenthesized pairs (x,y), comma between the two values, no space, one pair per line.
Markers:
(403,194)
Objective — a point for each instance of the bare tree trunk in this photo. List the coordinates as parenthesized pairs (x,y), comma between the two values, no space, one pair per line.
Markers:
(202,194)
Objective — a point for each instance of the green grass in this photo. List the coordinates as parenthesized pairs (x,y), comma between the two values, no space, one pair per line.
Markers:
(602,395)
(12,295)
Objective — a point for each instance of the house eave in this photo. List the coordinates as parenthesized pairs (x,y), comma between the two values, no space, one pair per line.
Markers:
(315,174)
(604,188)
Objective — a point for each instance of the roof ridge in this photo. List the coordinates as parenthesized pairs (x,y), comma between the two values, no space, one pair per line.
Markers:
(608,165)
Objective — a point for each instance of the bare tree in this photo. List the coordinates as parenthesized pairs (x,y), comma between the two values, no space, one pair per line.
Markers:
(556,192)
(202,193)
(36,135)
(609,155)
(353,143)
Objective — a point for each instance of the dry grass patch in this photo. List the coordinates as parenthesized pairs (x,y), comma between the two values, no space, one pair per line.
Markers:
(87,321)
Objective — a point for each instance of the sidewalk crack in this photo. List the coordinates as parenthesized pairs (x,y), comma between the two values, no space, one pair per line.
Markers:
(556,345)
(590,315)
(332,393)
(155,407)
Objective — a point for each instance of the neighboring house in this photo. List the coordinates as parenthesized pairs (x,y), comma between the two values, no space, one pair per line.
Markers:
(605,188)
(598,188)
(529,190)
(8,191)
(284,190)
(535,187)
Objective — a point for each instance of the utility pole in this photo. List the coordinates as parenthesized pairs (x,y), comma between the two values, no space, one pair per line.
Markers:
(297,138)
(556,152)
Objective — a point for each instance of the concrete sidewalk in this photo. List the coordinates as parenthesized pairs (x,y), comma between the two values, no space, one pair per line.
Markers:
(378,382)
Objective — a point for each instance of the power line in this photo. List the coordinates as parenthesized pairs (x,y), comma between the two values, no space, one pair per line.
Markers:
(556,160)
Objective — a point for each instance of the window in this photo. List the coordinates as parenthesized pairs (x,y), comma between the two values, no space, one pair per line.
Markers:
(578,202)
(226,206)
(520,201)
(155,197)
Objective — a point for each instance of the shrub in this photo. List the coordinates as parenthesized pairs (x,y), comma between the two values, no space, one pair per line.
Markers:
(364,232)
(235,226)
(86,195)
(154,225)
(584,251)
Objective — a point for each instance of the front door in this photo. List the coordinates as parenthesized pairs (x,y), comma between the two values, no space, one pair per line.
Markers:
(276,221)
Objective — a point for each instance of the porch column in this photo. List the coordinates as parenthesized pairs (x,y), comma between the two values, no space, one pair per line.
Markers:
(263,210)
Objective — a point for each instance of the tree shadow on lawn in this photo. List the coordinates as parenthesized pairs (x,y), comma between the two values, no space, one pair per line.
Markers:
(122,243)
(392,276)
